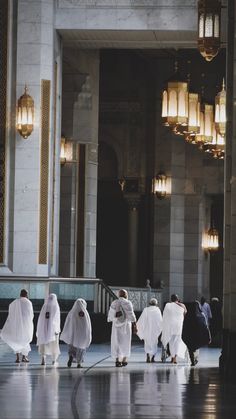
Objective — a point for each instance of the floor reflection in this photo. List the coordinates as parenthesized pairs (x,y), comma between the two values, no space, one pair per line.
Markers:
(139,390)
(19,383)
(45,392)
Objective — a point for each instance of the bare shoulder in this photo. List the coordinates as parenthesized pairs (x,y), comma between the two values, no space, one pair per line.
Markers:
(183,306)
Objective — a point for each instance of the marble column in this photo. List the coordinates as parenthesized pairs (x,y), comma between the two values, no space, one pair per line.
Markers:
(85,131)
(177,216)
(34,63)
(133,221)
(227,359)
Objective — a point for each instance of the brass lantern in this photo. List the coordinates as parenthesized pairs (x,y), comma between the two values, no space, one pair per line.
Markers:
(209,12)
(66,151)
(206,126)
(217,146)
(220,111)
(25,114)
(193,126)
(211,240)
(175,101)
(159,185)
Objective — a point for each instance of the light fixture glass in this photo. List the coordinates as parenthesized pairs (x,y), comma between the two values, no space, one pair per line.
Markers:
(160,185)
(220,111)
(63,151)
(66,151)
(25,114)
(205,134)
(193,126)
(210,241)
(175,101)
(217,146)
(209,13)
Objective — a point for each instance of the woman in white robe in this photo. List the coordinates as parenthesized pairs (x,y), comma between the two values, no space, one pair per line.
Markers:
(149,327)
(122,316)
(48,329)
(18,329)
(173,317)
(77,332)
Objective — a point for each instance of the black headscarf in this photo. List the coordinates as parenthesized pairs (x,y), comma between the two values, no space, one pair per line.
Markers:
(195,330)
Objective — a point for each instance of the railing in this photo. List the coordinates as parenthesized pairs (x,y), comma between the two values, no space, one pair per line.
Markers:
(97,294)
(140,297)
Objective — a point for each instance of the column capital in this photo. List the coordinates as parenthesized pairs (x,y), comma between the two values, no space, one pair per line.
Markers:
(132,200)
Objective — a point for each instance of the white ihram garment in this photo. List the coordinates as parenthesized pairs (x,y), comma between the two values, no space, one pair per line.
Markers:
(149,327)
(77,330)
(173,317)
(48,328)
(121,332)
(18,329)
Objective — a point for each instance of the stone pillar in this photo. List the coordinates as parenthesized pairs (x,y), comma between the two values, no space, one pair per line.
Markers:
(85,131)
(32,196)
(227,359)
(133,203)
(177,215)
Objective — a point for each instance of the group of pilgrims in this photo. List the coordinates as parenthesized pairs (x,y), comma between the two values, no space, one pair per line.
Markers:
(180,331)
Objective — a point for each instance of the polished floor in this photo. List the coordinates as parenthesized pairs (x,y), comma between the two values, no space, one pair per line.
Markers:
(99,390)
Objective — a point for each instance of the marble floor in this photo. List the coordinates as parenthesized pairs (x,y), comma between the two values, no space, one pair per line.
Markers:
(99,390)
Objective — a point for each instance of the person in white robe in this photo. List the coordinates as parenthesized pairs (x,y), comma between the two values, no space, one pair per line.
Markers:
(122,316)
(18,329)
(77,332)
(149,327)
(173,317)
(48,329)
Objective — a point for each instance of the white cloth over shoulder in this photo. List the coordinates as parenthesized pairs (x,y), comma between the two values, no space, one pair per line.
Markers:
(173,317)
(18,329)
(77,330)
(121,327)
(149,327)
(48,325)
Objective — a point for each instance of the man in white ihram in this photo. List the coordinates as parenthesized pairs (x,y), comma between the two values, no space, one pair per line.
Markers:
(149,327)
(173,317)
(122,316)
(18,329)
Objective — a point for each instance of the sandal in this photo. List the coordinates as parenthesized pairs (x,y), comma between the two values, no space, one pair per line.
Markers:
(124,363)
(25,359)
(69,363)
(119,364)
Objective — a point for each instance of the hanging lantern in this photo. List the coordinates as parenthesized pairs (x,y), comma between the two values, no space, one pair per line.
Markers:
(193,126)
(66,151)
(175,101)
(217,146)
(159,185)
(209,12)
(211,240)
(220,111)
(205,134)
(25,114)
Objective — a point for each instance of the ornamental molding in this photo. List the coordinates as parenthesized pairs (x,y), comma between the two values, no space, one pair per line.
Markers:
(115,4)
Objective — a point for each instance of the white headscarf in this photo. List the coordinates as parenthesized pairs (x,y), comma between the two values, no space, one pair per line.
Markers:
(18,329)
(49,321)
(77,329)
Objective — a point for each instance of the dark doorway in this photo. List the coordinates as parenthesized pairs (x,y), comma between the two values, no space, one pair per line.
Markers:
(112,221)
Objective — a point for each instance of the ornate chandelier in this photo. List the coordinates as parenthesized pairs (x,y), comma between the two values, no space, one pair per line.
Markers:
(220,111)
(193,126)
(25,114)
(175,102)
(209,13)
(159,185)
(211,240)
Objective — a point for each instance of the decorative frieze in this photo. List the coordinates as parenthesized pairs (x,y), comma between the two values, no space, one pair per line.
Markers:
(62,4)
